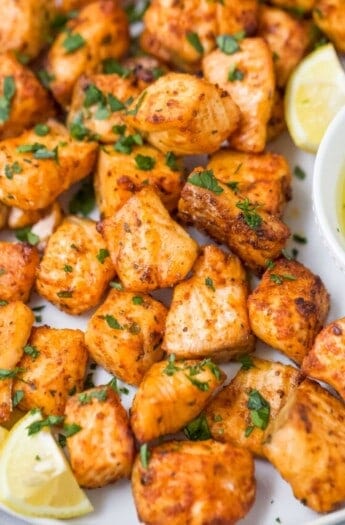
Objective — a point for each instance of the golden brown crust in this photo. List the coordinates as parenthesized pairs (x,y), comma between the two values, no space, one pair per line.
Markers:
(306,444)
(299,5)
(57,369)
(129,350)
(329,16)
(219,216)
(18,267)
(228,416)
(326,359)
(171,395)
(288,308)
(118,177)
(194,482)
(208,315)
(76,267)
(184,114)
(253,94)
(148,249)
(103,27)
(103,450)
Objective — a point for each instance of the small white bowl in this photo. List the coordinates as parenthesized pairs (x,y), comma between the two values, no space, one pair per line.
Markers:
(329,170)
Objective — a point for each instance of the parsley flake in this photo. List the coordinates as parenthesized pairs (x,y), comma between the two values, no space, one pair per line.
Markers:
(259,411)
(102,255)
(194,40)
(64,294)
(235,74)
(279,279)
(299,238)
(171,161)
(12,169)
(299,173)
(17,397)
(41,130)
(206,179)
(10,373)
(228,44)
(144,455)
(136,299)
(144,162)
(250,216)
(246,361)
(86,397)
(31,351)
(198,429)
(110,66)
(171,368)
(49,421)
(118,286)
(73,42)
(83,202)
(136,108)
(26,235)
(68,268)
(9,89)
(209,283)
(126,144)
(112,322)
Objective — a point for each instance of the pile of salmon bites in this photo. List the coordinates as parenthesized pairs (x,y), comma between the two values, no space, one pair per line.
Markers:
(209,80)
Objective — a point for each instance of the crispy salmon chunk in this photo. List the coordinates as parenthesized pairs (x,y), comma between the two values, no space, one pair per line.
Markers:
(98,103)
(287,37)
(184,114)
(119,175)
(264,178)
(181,32)
(149,250)
(248,76)
(171,394)
(298,6)
(54,365)
(76,267)
(231,218)
(276,124)
(326,359)
(329,16)
(18,266)
(35,169)
(29,102)
(16,320)
(306,444)
(98,32)
(102,449)
(208,315)
(288,308)
(124,335)
(194,482)
(25,25)
(240,413)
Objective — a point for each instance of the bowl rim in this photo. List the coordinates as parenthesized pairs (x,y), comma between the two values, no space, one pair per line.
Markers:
(321,205)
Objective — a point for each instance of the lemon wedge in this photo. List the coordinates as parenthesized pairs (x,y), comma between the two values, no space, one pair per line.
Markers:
(315,93)
(35,478)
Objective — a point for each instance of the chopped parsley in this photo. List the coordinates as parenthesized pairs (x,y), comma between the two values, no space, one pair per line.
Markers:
(144,162)
(135,12)
(49,421)
(3,302)
(112,322)
(119,129)
(12,169)
(279,279)
(171,368)
(64,294)
(86,397)
(69,430)
(26,235)
(68,268)
(80,132)
(115,104)
(246,361)
(259,412)
(299,238)
(144,455)
(198,429)
(102,255)
(83,202)
(209,283)
(92,95)
(10,373)
(45,77)
(228,44)
(110,66)
(235,74)
(206,179)
(136,108)
(31,351)
(270,264)
(299,173)
(233,186)
(136,299)
(17,397)
(9,89)
(119,390)
(118,286)
(194,40)
(126,144)
(171,161)
(41,130)
(72,42)
(250,215)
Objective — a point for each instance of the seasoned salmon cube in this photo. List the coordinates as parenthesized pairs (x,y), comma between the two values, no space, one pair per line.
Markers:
(329,16)
(276,124)
(208,315)
(193,482)
(35,169)
(120,175)
(98,104)
(306,444)
(184,114)
(240,413)
(264,178)
(287,37)
(102,448)
(28,102)
(54,365)
(124,335)
(16,320)
(76,267)
(248,76)
(18,267)
(288,308)
(231,218)
(171,394)
(149,250)
(326,359)
(98,32)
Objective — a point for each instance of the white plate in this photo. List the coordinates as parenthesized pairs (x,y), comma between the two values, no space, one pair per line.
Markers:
(114,504)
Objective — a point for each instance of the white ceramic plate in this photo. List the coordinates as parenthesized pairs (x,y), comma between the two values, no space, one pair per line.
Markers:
(275,502)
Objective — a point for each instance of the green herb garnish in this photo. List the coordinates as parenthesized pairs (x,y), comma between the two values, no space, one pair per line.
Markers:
(206,179)
(198,429)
